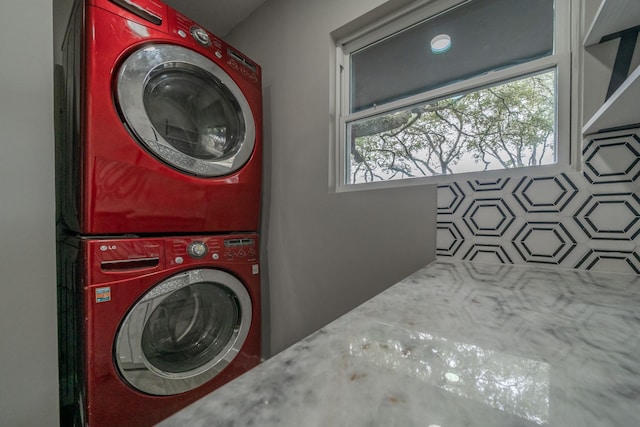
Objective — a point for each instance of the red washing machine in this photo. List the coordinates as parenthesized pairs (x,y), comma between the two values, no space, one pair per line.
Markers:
(163,125)
(162,322)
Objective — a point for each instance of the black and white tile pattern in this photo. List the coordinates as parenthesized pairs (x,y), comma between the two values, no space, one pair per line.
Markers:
(612,158)
(585,220)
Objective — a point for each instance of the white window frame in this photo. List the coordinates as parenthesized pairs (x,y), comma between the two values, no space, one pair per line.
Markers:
(566,30)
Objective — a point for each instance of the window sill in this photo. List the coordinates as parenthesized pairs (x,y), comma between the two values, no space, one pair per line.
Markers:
(482,176)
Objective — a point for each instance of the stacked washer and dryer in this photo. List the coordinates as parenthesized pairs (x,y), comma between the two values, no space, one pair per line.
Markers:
(158,187)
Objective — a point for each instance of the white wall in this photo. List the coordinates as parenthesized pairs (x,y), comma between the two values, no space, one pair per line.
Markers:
(325,252)
(28,349)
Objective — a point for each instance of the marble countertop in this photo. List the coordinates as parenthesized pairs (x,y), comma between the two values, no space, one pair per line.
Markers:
(455,344)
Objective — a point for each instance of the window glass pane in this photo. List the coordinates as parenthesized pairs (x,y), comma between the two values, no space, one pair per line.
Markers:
(484,35)
(508,125)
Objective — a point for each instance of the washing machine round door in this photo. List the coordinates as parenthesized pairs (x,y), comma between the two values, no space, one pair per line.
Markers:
(185,110)
(183,332)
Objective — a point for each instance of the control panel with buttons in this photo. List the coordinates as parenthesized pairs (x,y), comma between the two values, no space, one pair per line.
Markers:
(223,54)
(187,251)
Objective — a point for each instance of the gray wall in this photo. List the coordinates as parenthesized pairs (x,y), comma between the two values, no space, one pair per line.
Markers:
(28,353)
(325,252)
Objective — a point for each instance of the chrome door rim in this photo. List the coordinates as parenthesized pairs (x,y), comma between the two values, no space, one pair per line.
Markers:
(132,79)
(142,374)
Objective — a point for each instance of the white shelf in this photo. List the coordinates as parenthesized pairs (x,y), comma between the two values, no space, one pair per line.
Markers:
(621,109)
(613,16)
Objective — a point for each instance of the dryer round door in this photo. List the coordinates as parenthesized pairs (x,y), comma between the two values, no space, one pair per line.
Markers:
(183,332)
(185,110)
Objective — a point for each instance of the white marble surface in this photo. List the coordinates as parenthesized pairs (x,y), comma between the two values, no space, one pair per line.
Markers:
(455,344)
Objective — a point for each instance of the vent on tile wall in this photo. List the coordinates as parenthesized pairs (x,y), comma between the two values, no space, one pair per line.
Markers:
(588,220)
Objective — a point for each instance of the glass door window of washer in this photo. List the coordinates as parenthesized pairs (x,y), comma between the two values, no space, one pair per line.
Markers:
(185,110)
(183,332)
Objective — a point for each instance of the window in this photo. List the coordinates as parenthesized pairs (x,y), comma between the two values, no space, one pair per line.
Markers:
(452,87)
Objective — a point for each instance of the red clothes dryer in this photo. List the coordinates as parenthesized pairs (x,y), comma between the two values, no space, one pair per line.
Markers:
(163,125)
(161,322)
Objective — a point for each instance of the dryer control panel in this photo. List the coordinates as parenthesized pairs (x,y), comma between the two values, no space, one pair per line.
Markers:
(189,250)
(225,55)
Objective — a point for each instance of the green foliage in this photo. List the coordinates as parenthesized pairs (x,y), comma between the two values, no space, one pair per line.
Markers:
(503,126)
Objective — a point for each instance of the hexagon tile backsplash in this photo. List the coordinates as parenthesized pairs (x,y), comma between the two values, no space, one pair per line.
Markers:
(588,220)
